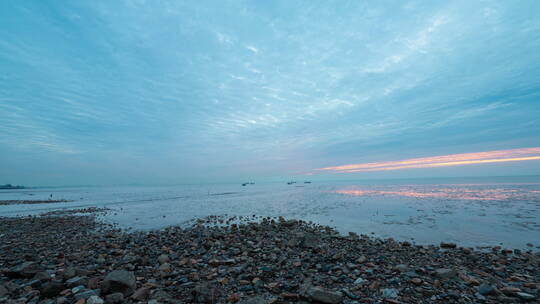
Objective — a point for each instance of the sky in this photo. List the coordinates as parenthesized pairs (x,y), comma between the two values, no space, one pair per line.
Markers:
(134,91)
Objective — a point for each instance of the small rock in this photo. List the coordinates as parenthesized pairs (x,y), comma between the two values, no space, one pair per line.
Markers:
(114,298)
(322,295)
(24,270)
(390,293)
(3,291)
(86,294)
(361,259)
(164,258)
(76,281)
(445,273)
(141,294)
(94,300)
(52,289)
(448,245)
(165,267)
(119,281)
(254,300)
(401,267)
(42,276)
(487,289)
(525,296)
(207,293)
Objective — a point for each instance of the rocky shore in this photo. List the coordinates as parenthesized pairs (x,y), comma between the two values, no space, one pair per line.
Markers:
(76,259)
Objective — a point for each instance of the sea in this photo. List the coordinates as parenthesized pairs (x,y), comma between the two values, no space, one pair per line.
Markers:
(472,212)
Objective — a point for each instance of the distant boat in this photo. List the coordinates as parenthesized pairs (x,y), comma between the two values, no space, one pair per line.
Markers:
(307,182)
(291,182)
(244,184)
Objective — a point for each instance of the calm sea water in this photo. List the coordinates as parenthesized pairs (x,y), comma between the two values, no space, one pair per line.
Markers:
(471,212)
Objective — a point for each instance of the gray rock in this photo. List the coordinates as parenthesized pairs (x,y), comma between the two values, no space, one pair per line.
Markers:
(77,289)
(119,281)
(445,273)
(94,300)
(322,295)
(42,276)
(254,300)
(390,293)
(525,296)
(448,245)
(401,267)
(114,298)
(164,258)
(86,294)
(24,270)
(207,293)
(76,281)
(3,291)
(166,267)
(69,273)
(51,289)
(487,289)
(359,281)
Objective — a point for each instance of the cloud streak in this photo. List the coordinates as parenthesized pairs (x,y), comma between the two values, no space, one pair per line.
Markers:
(498,156)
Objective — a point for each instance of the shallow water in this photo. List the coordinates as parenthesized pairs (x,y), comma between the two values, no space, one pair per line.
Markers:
(469,212)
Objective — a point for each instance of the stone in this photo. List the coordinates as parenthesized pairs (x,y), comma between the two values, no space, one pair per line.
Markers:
(416,281)
(361,259)
(448,245)
(114,298)
(509,290)
(487,289)
(76,281)
(24,270)
(165,267)
(164,258)
(119,281)
(254,300)
(78,288)
(69,273)
(94,300)
(42,276)
(3,291)
(322,295)
(207,292)
(85,294)
(359,281)
(445,273)
(401,267)
(52,289)
(525,296)
(390,293)
(141,294)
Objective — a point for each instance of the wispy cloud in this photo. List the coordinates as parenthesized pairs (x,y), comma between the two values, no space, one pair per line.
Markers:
(442,161)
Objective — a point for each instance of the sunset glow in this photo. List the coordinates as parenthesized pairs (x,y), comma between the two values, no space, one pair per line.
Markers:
(444,193)
(498,156)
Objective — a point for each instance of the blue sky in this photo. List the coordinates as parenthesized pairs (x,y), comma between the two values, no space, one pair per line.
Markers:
(95,92)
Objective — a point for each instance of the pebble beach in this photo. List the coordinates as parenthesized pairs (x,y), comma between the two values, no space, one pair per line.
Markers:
(65,258)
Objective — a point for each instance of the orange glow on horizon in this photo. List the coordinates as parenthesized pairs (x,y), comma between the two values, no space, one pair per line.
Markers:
(442,161)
